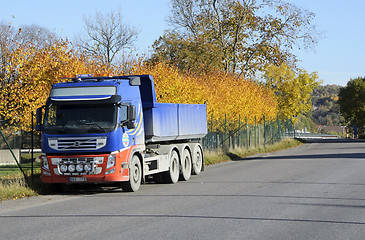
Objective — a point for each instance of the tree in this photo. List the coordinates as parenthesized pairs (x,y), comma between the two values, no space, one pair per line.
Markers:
(293,89)
(27,36)
(37,35)
(325,106)
(245,36)
(31,72)
(107,35)
(352,102)
(7,40)
(185,53)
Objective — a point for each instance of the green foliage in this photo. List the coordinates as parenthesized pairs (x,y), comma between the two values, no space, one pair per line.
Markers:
(305,122)
(236,36)
(326,110)
(185,53)
(352,102)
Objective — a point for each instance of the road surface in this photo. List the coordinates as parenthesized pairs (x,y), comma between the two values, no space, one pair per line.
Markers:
(315,191)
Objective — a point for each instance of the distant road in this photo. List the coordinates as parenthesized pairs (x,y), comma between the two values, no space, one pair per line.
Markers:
(316,191)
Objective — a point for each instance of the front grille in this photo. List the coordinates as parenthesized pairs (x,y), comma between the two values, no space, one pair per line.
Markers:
(78,144)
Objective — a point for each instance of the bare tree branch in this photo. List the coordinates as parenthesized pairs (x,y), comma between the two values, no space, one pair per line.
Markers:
(107,35)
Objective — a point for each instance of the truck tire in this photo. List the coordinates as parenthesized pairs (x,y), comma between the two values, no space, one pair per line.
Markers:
(135,176)
(197,160)
(185,165)
(172,175)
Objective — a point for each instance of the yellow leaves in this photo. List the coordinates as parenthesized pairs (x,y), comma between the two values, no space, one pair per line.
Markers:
(30,73)
(293,89)
(225,95)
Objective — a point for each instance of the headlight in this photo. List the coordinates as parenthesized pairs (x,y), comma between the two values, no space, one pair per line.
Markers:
(45,162)
(79,167)
(71,168)
(63,168)
(87,167)
(111,161)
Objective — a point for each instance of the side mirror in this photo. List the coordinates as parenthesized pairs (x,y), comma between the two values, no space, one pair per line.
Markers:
(130,124)
(38,115)
(129,116)
(131,113)
(38,118)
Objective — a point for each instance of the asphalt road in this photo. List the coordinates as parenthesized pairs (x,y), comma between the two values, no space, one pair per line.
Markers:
(316,191)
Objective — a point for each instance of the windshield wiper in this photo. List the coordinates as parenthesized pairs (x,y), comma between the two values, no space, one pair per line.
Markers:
(64,129)
(95,124)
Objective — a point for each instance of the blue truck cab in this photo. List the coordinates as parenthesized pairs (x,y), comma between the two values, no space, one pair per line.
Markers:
(112,129)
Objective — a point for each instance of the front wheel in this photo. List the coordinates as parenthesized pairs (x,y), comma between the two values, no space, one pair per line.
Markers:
(135,176)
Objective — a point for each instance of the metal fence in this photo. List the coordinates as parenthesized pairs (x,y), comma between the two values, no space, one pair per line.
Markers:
(12,143)
(220,136)
(259,133)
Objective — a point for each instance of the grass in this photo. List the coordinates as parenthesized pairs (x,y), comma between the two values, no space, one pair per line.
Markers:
(14,188)
(14,185)
(218,156)
(10,170)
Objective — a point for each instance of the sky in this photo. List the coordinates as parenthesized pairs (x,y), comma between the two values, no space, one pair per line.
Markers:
(339,56)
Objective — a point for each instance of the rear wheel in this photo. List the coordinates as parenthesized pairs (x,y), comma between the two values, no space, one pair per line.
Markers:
(135,176)
(172,175)
(185,165)
(197,160)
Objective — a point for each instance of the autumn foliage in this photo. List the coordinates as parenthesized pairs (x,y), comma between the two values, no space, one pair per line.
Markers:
(293,89)
(227,96)
(28,73)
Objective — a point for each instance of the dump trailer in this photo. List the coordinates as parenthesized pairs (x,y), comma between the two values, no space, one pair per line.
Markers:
(112,129)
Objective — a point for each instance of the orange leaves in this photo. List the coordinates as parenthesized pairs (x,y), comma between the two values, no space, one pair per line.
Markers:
(30,73)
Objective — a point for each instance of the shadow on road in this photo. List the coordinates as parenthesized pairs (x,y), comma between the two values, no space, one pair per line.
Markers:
(338,140)
(308,156)
(343,142)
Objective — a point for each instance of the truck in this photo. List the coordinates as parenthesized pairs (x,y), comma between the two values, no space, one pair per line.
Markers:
(112,129)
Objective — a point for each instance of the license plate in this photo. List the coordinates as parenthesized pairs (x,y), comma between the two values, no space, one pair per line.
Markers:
(77,179)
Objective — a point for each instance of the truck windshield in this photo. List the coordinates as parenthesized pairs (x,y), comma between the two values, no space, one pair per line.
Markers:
(80,119)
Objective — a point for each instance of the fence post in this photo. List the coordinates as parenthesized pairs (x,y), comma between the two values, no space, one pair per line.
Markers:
(32,150)
(255,132)
(225,130)
(211,123)
(225,125)
(264,132)
(279,128)
(217,146)
(247,141)
(258,135)
(272,139)
(239,130)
